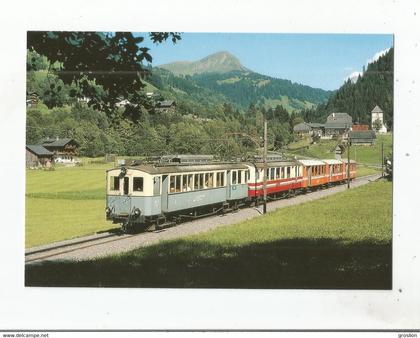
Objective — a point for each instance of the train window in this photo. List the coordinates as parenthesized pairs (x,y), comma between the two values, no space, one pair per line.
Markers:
(201,185)
(137,183)
(277,173)
(178,183)
(206,180)
(222,179)
(172,184)
(196,181)
(190,182)
(209,180)
(288,172)
(272,173)
(234,177)
(240,176)
(282,172)
(114,183)
(184,183)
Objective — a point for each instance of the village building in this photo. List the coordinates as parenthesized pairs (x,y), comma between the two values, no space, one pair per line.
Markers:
(378,119)
(302,128)
(166,106)
(337,124)
(360,127)
(362,137)
(65,150)
(38,156)
(312,129)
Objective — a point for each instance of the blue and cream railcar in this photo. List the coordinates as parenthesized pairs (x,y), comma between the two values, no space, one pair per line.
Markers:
(147,194)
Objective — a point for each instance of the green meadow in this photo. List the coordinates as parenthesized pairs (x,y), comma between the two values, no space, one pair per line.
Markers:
(337,242)
(65,203)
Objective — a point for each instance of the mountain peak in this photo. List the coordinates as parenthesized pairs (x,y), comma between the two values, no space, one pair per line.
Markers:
(220,62)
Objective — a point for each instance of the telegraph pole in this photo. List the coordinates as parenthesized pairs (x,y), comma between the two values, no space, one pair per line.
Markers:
(265,166)
(382,157)
(348,164)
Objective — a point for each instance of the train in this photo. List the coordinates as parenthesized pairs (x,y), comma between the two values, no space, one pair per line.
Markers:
(165,192)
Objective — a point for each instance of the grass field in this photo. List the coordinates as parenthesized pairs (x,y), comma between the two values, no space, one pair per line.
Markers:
(342,241)
(326,149)
(65,203)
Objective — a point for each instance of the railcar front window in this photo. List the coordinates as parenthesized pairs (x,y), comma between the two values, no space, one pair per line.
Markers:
(234,177)
(114,183)
(138,184)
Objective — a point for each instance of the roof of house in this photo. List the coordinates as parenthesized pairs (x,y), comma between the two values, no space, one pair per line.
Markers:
(377,109)
(38,149)
(316,125)
(339,121)
(303,126)
(166,103)
(56,142)
(337,125)
(362,134)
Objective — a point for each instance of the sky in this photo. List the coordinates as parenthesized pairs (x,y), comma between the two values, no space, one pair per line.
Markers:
(318,60)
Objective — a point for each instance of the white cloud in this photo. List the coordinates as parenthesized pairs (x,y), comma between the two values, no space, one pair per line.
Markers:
(377,56)
(353,76)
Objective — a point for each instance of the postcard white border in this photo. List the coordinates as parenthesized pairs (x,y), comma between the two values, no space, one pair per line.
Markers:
(59,308)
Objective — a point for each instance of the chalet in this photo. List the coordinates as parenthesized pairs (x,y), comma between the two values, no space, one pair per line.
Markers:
(309,128)
(362,137)
(64,149)
(166,106)
(38,156)
(302,128)
(337,124)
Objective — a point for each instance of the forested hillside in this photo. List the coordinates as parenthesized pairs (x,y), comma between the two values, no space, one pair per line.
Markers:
(223,74)
(374,87)
(204,121)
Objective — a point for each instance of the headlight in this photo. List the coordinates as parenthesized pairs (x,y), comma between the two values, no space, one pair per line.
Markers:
(137,212)
(107,210)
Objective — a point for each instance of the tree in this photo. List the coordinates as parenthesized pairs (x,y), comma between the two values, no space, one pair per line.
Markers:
(377,125)
(112,61)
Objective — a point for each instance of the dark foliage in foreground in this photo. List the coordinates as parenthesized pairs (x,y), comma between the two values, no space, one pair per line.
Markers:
(290,263)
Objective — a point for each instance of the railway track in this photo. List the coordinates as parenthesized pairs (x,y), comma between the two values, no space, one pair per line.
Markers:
(65,249)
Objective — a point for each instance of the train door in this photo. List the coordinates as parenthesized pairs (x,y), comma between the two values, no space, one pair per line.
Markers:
(164,198)
(156,186)
(229,186)
(125,205)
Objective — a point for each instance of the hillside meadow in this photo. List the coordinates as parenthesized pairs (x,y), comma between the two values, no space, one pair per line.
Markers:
(337,242)
(368,155)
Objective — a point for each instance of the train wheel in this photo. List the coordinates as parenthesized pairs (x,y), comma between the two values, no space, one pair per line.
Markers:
(127,227)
